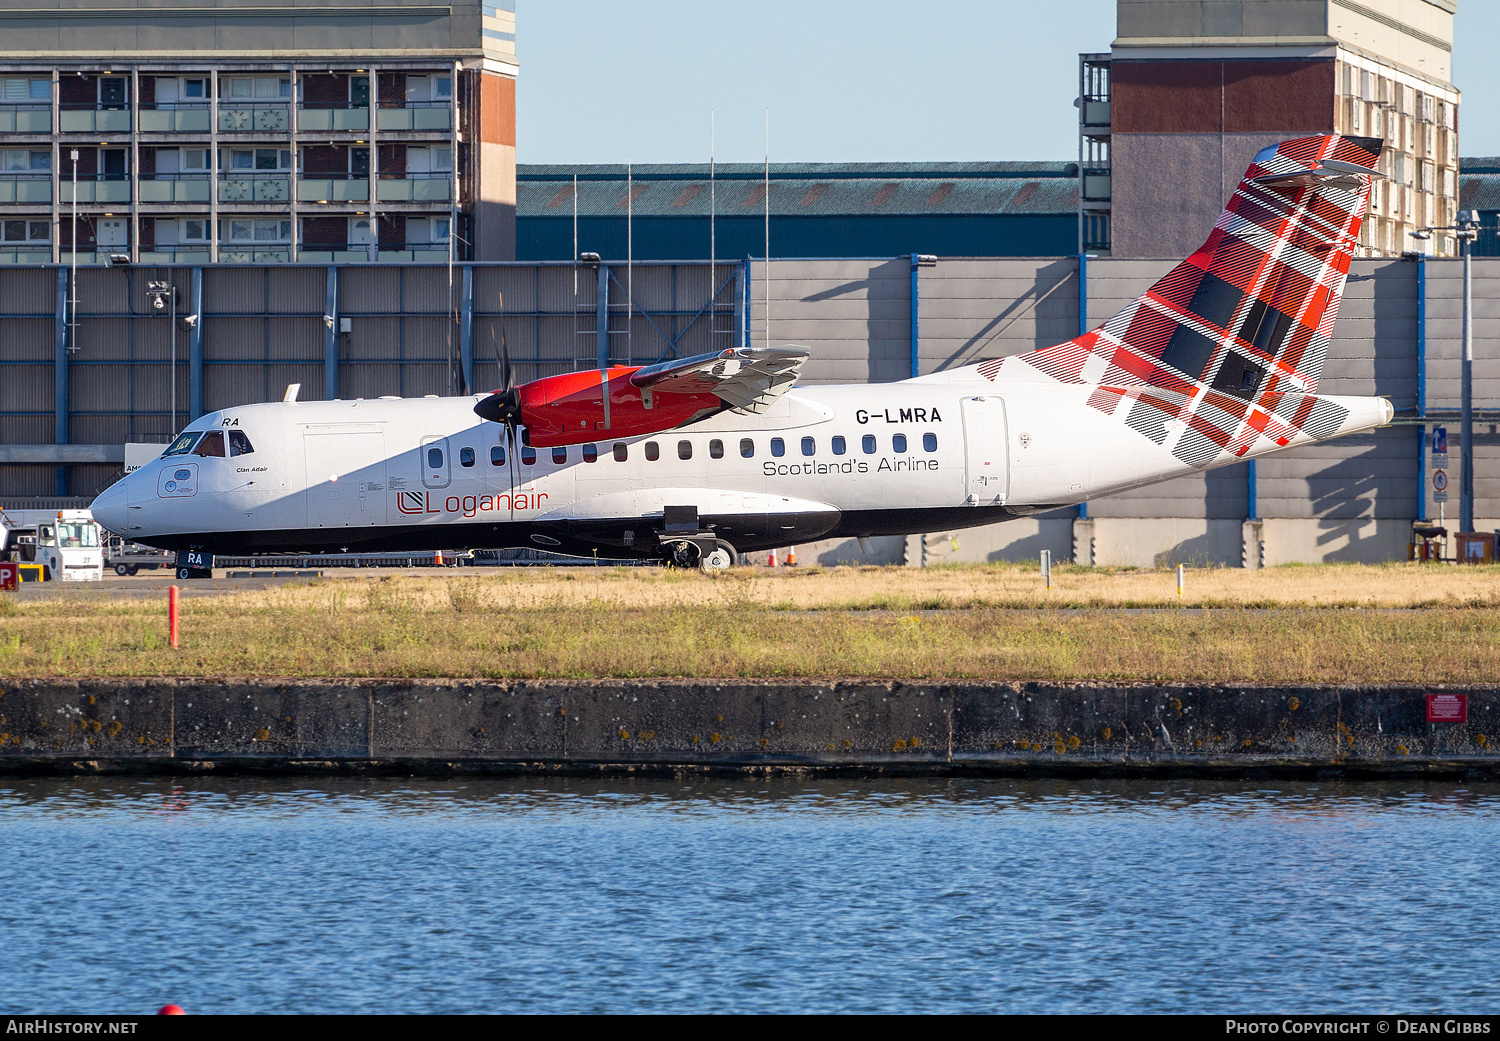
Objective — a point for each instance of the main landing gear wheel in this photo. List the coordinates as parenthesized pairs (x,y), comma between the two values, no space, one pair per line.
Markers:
(720,558)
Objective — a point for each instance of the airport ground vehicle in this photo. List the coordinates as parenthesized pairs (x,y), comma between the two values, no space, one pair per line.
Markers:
(127,558)
(64,542)
(1218,362)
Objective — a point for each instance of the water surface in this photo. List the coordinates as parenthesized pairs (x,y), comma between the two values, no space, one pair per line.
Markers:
(381,895)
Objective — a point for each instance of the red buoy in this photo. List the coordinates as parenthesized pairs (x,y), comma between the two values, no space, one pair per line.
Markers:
(170,1010)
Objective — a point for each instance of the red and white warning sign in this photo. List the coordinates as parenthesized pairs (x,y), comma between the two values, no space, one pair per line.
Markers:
(1447,708)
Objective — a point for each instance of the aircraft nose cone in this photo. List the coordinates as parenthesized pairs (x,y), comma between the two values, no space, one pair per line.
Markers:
(111,508)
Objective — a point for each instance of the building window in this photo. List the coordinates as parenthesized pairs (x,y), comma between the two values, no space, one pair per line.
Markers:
(21,160)
(259,159)
(28,90)
(269,230)
(27,231)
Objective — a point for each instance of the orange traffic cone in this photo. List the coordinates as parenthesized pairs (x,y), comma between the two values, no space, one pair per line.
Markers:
(791,556)
(437,558)
(771,560)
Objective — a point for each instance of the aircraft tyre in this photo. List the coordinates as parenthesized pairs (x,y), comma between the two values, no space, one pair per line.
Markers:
(720,558)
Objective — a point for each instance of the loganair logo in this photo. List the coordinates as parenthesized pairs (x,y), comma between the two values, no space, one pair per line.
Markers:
(423,504)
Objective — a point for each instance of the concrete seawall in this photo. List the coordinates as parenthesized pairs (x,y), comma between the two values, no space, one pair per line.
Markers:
(463,726)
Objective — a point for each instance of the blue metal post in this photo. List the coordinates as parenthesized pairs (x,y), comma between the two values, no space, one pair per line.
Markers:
(1421,387)
(741,276)
(331,337)
(1083,293)
(745,308)
(60,401)
(195,350)
(601,317)
(916,355)
(1254,508)
(466,329)
(1083,327)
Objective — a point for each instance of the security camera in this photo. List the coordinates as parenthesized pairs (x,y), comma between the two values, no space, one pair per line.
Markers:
(192,321)
(328,321)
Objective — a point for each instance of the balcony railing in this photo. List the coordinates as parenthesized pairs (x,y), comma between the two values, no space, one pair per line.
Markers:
(95,191)
(236,186)
(15,253)
(349,117)
(336,253)
(436,187)
(416,115)
(433,253)
(333,188)
(175,188)
(26,119)
(195,253)
(93,120)
(176,119)
(244,253)
(243,117)
(26,189)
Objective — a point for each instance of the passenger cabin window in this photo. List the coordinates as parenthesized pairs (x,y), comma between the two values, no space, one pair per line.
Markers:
(184,443)
(778,447)
(838,444)
(747,448)
(466,457)
(929,442)
(239,443)
(528,455)
(898,442)
(653,451)
(434,458)
(497,455)
(211,445)
(560,455)
(590,453)
(868,444)
(684,450)
(809,446)
(622,452)
(716,449)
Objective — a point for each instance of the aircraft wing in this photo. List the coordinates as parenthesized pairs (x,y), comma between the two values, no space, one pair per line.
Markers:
(747,379)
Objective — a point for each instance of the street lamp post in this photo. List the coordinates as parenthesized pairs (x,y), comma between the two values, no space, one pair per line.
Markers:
(1466,231)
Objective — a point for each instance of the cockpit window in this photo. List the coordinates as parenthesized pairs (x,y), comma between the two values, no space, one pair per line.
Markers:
(184,443)
(212,445)
(239,444)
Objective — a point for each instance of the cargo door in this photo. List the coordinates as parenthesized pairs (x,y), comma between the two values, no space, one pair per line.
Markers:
(346,479)
(986,452)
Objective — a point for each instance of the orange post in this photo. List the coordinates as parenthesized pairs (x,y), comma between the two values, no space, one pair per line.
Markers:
(172,615)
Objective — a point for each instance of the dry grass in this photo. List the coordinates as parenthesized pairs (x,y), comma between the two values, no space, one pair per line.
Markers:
(1279,625)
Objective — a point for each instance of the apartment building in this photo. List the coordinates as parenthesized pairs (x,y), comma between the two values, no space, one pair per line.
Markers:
(167,131)
(1191,90)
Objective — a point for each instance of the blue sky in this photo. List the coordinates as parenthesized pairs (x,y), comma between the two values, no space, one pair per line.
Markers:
(845,80)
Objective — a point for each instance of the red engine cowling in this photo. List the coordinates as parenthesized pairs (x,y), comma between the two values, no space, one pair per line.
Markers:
(568,409)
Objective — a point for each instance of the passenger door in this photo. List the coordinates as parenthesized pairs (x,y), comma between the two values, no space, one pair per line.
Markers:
(986,451)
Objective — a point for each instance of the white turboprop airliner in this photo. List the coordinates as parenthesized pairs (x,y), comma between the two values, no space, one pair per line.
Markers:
(691,460)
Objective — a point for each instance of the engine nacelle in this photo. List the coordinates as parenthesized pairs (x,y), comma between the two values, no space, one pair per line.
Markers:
(569,408)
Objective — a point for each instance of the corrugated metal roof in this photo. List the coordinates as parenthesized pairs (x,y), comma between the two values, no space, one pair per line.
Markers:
(803,189)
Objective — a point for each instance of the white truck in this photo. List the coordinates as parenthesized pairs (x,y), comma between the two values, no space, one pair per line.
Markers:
(65,542)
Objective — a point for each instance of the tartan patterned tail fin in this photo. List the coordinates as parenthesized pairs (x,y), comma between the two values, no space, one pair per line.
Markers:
(1249,315)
